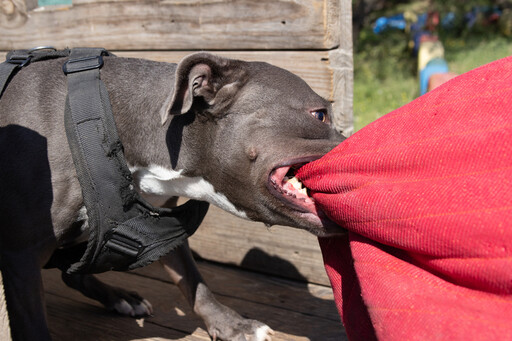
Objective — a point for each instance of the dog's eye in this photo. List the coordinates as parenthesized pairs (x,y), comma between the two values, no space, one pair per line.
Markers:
(320,115)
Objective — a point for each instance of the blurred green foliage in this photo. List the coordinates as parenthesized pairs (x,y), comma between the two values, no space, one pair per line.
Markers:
(385,70)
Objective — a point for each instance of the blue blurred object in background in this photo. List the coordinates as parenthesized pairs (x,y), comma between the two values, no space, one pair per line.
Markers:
(383,23)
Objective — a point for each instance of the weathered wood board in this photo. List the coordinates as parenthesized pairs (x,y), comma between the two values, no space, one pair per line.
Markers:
(295,311)
(281,250)
(173,24)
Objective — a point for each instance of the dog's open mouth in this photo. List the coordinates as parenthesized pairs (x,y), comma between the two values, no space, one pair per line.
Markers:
(286,187)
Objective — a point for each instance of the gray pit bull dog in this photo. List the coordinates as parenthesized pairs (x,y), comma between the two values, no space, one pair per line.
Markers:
(224,131)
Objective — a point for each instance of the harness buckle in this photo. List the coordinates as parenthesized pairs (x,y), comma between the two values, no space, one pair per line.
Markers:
(124,245)
(82,64)
(42,48)
(21,61)
(24,57)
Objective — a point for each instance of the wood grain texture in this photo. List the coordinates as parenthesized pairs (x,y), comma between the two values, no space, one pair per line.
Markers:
(75,317)
(243,284)
(341,64)
(174,24)
(282,251)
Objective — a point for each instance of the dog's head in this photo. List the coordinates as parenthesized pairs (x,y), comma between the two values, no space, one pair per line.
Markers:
(258,123)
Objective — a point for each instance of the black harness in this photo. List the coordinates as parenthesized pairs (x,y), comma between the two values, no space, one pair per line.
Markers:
(126,232)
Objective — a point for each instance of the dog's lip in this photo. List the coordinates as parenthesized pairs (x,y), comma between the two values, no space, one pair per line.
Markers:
(294,200)
(305,209)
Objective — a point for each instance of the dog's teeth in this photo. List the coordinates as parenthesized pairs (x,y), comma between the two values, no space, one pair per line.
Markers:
(303,191)
(295,183)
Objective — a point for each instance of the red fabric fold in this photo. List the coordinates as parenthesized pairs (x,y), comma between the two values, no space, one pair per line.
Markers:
(426,195)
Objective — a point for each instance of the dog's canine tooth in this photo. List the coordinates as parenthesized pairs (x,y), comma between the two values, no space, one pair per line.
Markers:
(295,183)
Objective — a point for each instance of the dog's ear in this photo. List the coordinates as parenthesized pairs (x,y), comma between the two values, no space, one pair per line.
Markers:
(203,75)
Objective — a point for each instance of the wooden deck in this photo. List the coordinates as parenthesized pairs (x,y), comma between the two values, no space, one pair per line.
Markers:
(294,310)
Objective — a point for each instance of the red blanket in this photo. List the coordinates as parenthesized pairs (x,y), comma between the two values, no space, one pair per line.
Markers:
(426,195)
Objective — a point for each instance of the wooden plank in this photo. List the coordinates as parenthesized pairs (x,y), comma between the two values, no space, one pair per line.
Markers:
(282,250)
(172,24)
(225,281)
(73,316)
(73,319)
(341,64)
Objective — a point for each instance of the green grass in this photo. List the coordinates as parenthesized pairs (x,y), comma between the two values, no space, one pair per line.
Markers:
(465,55)
(385,72)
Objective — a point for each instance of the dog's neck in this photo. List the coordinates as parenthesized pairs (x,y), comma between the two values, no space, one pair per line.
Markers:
(137,106)
(151,148)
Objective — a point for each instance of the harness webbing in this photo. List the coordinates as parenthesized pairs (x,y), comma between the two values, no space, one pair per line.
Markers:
(17,59)
(126,232)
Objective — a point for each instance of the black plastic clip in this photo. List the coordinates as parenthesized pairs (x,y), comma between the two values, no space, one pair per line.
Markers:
(82,64)
(124,245)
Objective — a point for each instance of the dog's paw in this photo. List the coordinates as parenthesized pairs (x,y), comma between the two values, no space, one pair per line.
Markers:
(130,304)
(262,333)
(243,330)
(113,298)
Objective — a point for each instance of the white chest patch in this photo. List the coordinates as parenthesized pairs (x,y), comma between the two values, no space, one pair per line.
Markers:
(157,184)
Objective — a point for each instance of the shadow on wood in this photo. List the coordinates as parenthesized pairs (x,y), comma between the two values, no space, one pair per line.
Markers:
(295,310)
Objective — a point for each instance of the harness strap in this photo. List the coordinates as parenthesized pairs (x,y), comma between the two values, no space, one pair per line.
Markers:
(17,59)
(125,231)
(6,72)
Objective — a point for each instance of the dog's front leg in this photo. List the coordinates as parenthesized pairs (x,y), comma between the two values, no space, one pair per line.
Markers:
(222,322)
